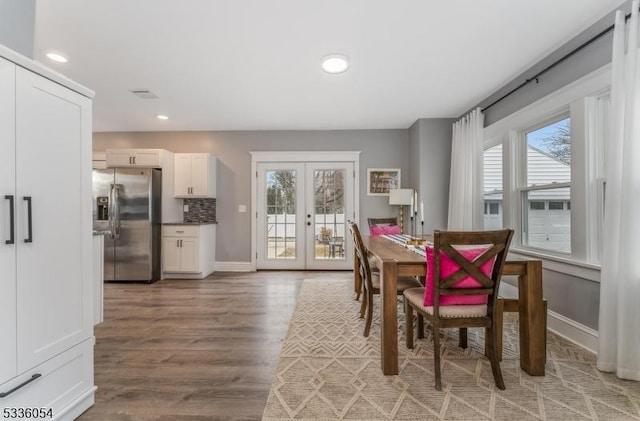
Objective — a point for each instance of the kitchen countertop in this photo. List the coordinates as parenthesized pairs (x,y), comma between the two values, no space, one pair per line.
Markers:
(98,232)
(189,223)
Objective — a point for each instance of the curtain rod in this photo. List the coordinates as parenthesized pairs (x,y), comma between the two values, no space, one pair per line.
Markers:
(555,63)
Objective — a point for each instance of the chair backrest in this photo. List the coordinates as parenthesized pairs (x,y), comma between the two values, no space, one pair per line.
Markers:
(382,221)
(363,257)
(495,245)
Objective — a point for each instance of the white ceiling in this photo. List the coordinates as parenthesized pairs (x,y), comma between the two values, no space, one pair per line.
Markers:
(255,64)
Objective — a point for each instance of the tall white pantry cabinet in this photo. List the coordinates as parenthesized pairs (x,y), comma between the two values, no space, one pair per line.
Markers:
(46,309)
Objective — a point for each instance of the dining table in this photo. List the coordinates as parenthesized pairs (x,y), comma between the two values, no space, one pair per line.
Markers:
(393,260)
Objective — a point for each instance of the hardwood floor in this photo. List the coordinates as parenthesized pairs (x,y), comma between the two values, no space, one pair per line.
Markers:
(193,349)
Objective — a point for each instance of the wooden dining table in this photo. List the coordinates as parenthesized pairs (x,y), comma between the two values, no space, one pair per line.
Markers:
(394,260)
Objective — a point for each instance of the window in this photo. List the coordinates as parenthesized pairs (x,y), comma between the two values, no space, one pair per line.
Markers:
(493,188)
(556,205)
(547,154)
(554,174)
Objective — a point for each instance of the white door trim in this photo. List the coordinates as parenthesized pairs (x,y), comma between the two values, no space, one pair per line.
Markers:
(298,156)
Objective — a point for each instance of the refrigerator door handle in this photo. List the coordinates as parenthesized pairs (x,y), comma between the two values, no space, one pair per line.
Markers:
(114,211)
(116,207)
(111,210)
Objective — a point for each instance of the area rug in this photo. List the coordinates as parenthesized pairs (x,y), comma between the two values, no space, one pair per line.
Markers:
(329,371)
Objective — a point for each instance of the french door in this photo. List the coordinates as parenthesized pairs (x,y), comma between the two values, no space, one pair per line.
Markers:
(302,213)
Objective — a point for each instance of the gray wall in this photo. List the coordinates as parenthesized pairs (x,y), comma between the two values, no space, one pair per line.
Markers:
(17,20)
(430,163)
(570,296)
(380,148)
(582,63)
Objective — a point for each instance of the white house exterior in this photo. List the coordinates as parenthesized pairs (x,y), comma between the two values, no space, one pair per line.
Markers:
(546,213)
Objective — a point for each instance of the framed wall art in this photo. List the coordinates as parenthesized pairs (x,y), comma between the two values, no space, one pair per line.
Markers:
(381,180)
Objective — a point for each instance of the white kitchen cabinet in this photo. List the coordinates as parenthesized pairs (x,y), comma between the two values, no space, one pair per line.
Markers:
(151,158)
(144,158)
(195,175)
(188,251)
(46,307)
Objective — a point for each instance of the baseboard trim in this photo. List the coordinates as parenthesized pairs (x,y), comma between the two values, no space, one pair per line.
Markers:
(574,332)
(569,329)
(78,406)
(234,267)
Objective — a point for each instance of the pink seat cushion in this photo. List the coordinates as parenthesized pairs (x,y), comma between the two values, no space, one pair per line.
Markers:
(384,229)
(449,267)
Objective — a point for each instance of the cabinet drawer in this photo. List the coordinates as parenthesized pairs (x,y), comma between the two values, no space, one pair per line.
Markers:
(65,379)
(180,231)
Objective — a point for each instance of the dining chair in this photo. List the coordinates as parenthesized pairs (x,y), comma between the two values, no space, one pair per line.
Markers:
(456,279)
(382,221)
(371,280)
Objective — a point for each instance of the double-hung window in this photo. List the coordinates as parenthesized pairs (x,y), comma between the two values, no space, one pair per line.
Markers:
(545,187)
(544,170)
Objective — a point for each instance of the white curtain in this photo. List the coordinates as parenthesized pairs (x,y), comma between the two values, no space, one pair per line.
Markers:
(619,332)
(466,183)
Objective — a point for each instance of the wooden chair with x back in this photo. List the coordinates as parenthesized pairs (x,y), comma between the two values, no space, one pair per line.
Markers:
(371,280)
(466,269)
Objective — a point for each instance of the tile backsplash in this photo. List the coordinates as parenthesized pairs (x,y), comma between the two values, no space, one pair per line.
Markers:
(200,210)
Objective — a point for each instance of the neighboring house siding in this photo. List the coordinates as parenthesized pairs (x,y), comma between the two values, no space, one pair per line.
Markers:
(547,228)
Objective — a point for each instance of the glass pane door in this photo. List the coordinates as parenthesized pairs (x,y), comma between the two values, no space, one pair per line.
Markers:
(302,215)
(280,226)
(329,206)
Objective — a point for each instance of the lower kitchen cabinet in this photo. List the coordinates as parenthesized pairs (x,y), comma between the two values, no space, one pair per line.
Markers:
(188,251)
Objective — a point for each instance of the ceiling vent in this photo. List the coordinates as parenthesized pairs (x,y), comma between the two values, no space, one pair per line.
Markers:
(143,93)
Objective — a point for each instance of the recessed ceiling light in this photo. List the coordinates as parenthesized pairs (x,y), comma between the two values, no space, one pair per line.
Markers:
(335,63)
(162,117)
(57,57)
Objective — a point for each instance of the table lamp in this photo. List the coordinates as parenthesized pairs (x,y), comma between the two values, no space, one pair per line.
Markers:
(401,198)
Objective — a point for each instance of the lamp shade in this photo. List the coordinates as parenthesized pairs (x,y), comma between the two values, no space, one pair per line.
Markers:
(400,196)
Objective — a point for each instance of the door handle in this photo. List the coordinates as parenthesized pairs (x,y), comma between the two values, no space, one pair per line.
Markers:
(21,385)
(29,238)
(115,213)
(12,225)
(177,243)
(309,224)
(308,215)
(180,243)
(134,159)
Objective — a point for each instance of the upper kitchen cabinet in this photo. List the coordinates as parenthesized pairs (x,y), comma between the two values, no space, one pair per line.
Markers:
(195,175)
(143,158)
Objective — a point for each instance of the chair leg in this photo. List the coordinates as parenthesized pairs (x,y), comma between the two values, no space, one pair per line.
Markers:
(363,305)
(462,340)
(408,324)
(367,326)
(420,326)
(493,357)
(436,354)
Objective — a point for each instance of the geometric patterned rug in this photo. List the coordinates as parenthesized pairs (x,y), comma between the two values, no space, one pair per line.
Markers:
(329,371)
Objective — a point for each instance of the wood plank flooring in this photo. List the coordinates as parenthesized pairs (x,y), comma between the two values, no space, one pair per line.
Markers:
(193,349)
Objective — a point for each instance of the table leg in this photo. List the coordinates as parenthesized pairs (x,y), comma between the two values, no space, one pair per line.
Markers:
(389,319)
(533,340)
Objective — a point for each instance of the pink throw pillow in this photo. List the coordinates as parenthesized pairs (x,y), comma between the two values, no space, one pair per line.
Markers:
(449,267)
(385,229)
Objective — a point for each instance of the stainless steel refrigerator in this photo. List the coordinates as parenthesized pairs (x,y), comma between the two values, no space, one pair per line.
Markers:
(127,204)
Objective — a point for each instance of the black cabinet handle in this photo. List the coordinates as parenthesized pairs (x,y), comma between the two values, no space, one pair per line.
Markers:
(12,225)
(29,238)
(20,386)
